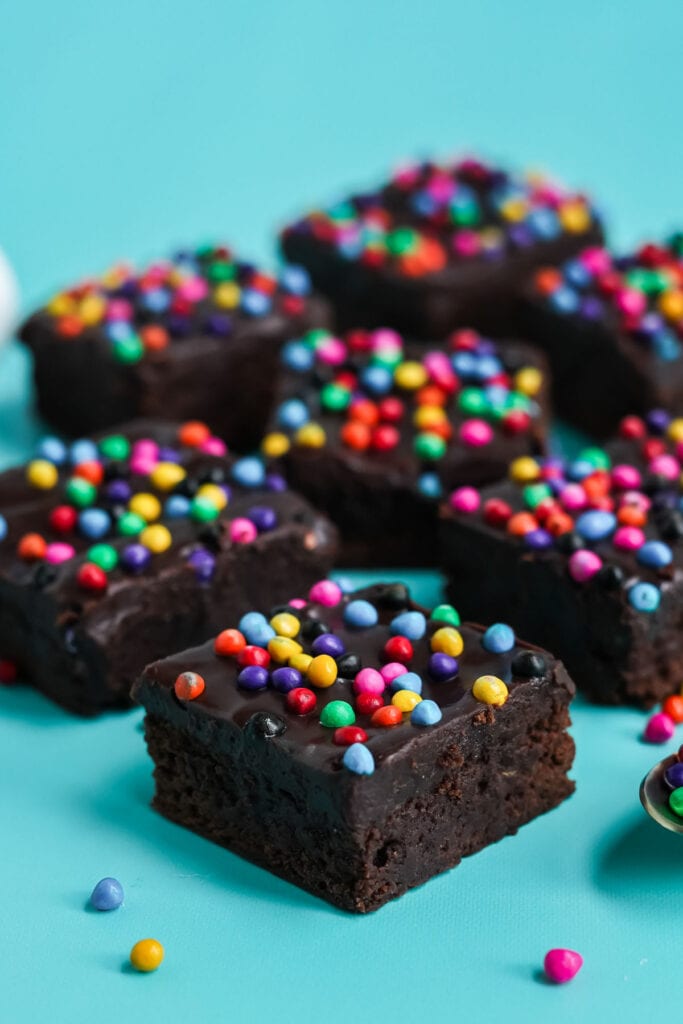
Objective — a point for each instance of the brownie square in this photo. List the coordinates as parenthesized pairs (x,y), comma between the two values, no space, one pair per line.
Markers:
(114,551)
(195,336)
(611,327)
(324,775)
(583,556)
(439,246)
(375,429)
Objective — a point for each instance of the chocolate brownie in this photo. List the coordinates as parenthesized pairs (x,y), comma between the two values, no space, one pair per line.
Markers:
(612,328)
(356,745)
(196,336)
(583,556)
(440,246)
(374,430)
(113,551)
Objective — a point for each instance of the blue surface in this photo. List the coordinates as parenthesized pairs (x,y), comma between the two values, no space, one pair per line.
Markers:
(127,129)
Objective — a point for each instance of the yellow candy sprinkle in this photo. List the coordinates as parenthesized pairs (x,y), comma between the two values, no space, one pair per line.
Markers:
(145,505)
(410,375)
(285,624)
(515,210)
(43,474)
(405,700)
(275,445)
(146,955)
(61,305)
(524,470)
(575,216)
(301,662)
(166,475)
(528,380)
(157,538)
(675,430)
(282,648)
(490,690)
(91,309)
(213,493)
(311,435)
(226,295)
(447,640)
(322,672)
(429,416)
(671,304)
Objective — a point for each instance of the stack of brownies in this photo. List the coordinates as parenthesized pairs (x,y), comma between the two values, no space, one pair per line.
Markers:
(225,436)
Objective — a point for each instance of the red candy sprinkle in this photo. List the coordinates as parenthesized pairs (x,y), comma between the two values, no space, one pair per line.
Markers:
(496,512)
(230,641)
(91,577)
(348,734)
(385,437)
(387,716)
(63,518)
(252,655)
(8,672)
(391,409)
(367,703)
(398,648)
(632,427)
(300,700)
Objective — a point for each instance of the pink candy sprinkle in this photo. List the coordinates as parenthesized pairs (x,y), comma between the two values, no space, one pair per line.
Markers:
(391,670)
(583,565)
(440,370)
(465,499)
(628,538)
(325,592)
(242,531)
(476,433)
(119,309)
(631,302)
(142,466)
(59,552)
(386,340)
(466,243)
(598,261)
(561,965)
(332,352)
(626,478)
(666,466)
(193,289)
(213,446)
(573,497)
(659,729)
(369,680)
(297,602)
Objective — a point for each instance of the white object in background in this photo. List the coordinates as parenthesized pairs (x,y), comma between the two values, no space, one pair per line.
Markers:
(9,300)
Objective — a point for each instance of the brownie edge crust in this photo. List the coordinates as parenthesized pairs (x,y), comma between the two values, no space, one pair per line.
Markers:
(288,804)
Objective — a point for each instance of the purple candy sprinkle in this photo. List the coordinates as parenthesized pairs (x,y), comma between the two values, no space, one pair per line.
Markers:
(203,563)
(442,666)
(538,539)
(263,517)
(286,679)
(136,557)
(674,775)
(253,677)
(329,643)
(118,491)
(276,482)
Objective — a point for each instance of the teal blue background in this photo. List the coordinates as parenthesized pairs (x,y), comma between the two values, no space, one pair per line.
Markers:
(127,129)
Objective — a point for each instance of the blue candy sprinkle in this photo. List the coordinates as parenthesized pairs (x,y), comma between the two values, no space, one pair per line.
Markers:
(488,366)
(295,280)
(156,301)
(52,449)
(345,584)
(255,303)
(498,638)
(544,223)
(83,451)
(596,524)
(358,759)
(360,615)
(564,300)
(177,506)
(429,485)
(427,712)
(410,624)
(577,274)
(118,330)
(256,629)
(407,681)
(464,364)
(249,472)
(3,527)
(94,523)
(293,414)
(377,379)
(655,554)
(107,894)
(297,356)
(644,597)
(578,469)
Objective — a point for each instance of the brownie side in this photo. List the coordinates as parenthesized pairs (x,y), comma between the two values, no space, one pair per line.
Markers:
(615,654)
(487,780)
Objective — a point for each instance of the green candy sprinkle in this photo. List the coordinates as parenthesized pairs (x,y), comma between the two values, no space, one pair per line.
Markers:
(203,510)
(130,524)
(597,457)
(129,350)
(334,397)
(430,447)
(473,401)
(445,613)
(104,555)
(80,492)
(337,714)
(534,494)
(676,801)
(316,337)
(220,271)
(402,241)
(115,447)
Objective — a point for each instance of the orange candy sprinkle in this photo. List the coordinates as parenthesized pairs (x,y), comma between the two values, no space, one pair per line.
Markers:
(193,433)
(364,411)
(558,523)
(189,686)
(547,280)
(31,547)
(91,471)
(230,641)
(631,515)
(154,337)
(673,707)
(521,523)
(356,435)
(69,326)
(386,716)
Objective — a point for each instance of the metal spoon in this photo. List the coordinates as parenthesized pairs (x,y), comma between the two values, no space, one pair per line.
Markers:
(654,796)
